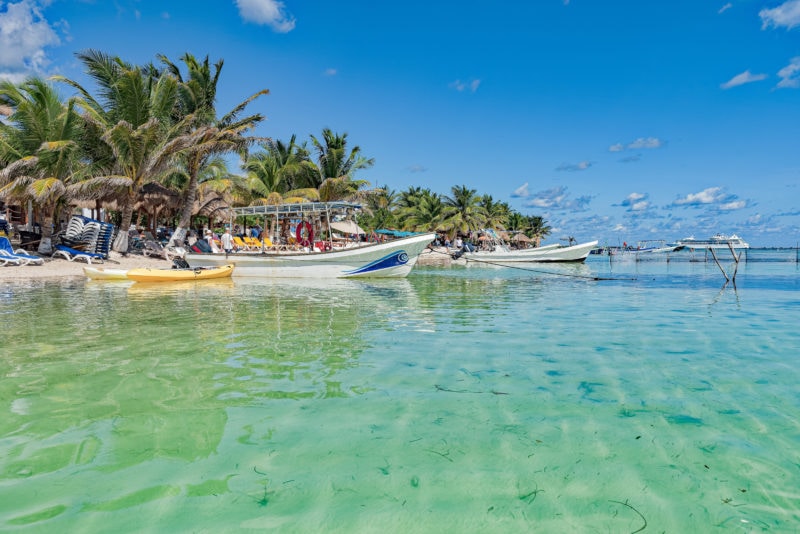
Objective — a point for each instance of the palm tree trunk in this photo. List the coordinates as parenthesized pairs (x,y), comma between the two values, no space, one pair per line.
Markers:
(121,241)
(46,242)
(179,235)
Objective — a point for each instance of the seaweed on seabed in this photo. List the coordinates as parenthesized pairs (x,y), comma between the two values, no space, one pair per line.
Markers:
(644,526)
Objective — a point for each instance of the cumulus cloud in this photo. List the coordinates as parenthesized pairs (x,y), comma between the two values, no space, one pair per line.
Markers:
(636,144)
(636,202)
(787,14)
(711,195)
(470,86)
(572,167)
(521,191)
(733,205)
(743,78)
(715,199)
(646,142)
(790,74)
(270,13)
(558,198)
(24,36)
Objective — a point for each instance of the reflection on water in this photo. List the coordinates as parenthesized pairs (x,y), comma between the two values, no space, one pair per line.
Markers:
(491,400)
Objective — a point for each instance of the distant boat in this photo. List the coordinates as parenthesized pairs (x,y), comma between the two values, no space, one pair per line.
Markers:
(715,241)
(496,250)
(653,247)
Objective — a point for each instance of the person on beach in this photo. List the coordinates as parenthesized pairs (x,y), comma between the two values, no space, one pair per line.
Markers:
(227,241)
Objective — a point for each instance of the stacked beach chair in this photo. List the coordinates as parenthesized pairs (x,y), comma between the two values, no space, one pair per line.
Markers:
(86,239)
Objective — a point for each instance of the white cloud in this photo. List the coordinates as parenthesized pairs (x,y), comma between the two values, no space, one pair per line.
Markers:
(790,74)
(637,202)
(267,12)
(24,35)
(725,8)
(521,192)
(470,86)
(732,206)
(716,199)
(330,72)
(572,167)
(558,198)
(743,78)
(786,14)
(646,142)
(642,142)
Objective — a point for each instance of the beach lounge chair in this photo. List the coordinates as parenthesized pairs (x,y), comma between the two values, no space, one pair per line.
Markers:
(72,254)
(153,249)
(7,260)
(240,243)
(21,256)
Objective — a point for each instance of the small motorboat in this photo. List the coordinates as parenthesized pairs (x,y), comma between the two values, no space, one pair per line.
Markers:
(102,273)
(178,275)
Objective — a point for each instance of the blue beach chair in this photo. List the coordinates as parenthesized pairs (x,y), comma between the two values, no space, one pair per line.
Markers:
(8,254)
(72,254)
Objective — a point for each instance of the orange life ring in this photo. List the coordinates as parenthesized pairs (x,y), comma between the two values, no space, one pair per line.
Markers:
(304,241)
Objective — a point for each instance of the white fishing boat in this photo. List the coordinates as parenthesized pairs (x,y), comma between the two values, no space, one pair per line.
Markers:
(651,249)
(715,241)
(496,250)
(297,250)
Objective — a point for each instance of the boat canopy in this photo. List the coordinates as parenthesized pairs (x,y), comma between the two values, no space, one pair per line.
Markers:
(395,233)
(296,209)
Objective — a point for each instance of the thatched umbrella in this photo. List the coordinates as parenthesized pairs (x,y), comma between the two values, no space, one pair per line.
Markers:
(153,198)
(521,238)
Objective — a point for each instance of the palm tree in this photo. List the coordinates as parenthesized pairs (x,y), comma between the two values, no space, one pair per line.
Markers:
(463,212)
(537,229)
(336,167)
(379,210)
(420,210)
(517,222)
(39,149)
(212,137)
(134,116)
(276,173)
(496,212)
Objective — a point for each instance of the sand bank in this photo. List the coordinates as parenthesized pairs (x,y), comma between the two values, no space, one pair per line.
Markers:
(55,268)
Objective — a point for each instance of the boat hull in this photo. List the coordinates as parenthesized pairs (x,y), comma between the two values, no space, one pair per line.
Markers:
(101,273)
(179,275)
(547,254)
(392,259)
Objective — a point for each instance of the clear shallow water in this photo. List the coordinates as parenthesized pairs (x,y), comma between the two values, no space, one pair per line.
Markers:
(471,399)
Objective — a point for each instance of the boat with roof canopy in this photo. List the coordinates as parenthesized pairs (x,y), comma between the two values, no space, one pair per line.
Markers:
(316,240)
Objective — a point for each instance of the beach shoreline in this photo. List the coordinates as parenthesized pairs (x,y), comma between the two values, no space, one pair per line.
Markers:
(58,268)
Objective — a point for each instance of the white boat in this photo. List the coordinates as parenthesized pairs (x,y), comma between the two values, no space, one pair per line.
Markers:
(299,255)
(648,249)
(499,252)
(715,241)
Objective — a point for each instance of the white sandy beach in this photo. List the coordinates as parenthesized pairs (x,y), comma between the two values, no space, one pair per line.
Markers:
(61,268)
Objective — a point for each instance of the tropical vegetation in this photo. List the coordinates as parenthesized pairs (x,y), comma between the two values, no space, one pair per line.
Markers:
(157,126)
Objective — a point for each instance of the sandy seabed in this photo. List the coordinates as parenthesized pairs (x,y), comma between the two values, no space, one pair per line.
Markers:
(61,268)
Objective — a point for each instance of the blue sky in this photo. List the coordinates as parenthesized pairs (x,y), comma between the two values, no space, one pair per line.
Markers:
(619,120)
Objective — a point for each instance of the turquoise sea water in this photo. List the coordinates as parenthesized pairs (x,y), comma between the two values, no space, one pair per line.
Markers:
(462,399)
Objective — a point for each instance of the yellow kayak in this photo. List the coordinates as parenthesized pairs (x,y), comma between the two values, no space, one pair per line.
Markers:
(177,275)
